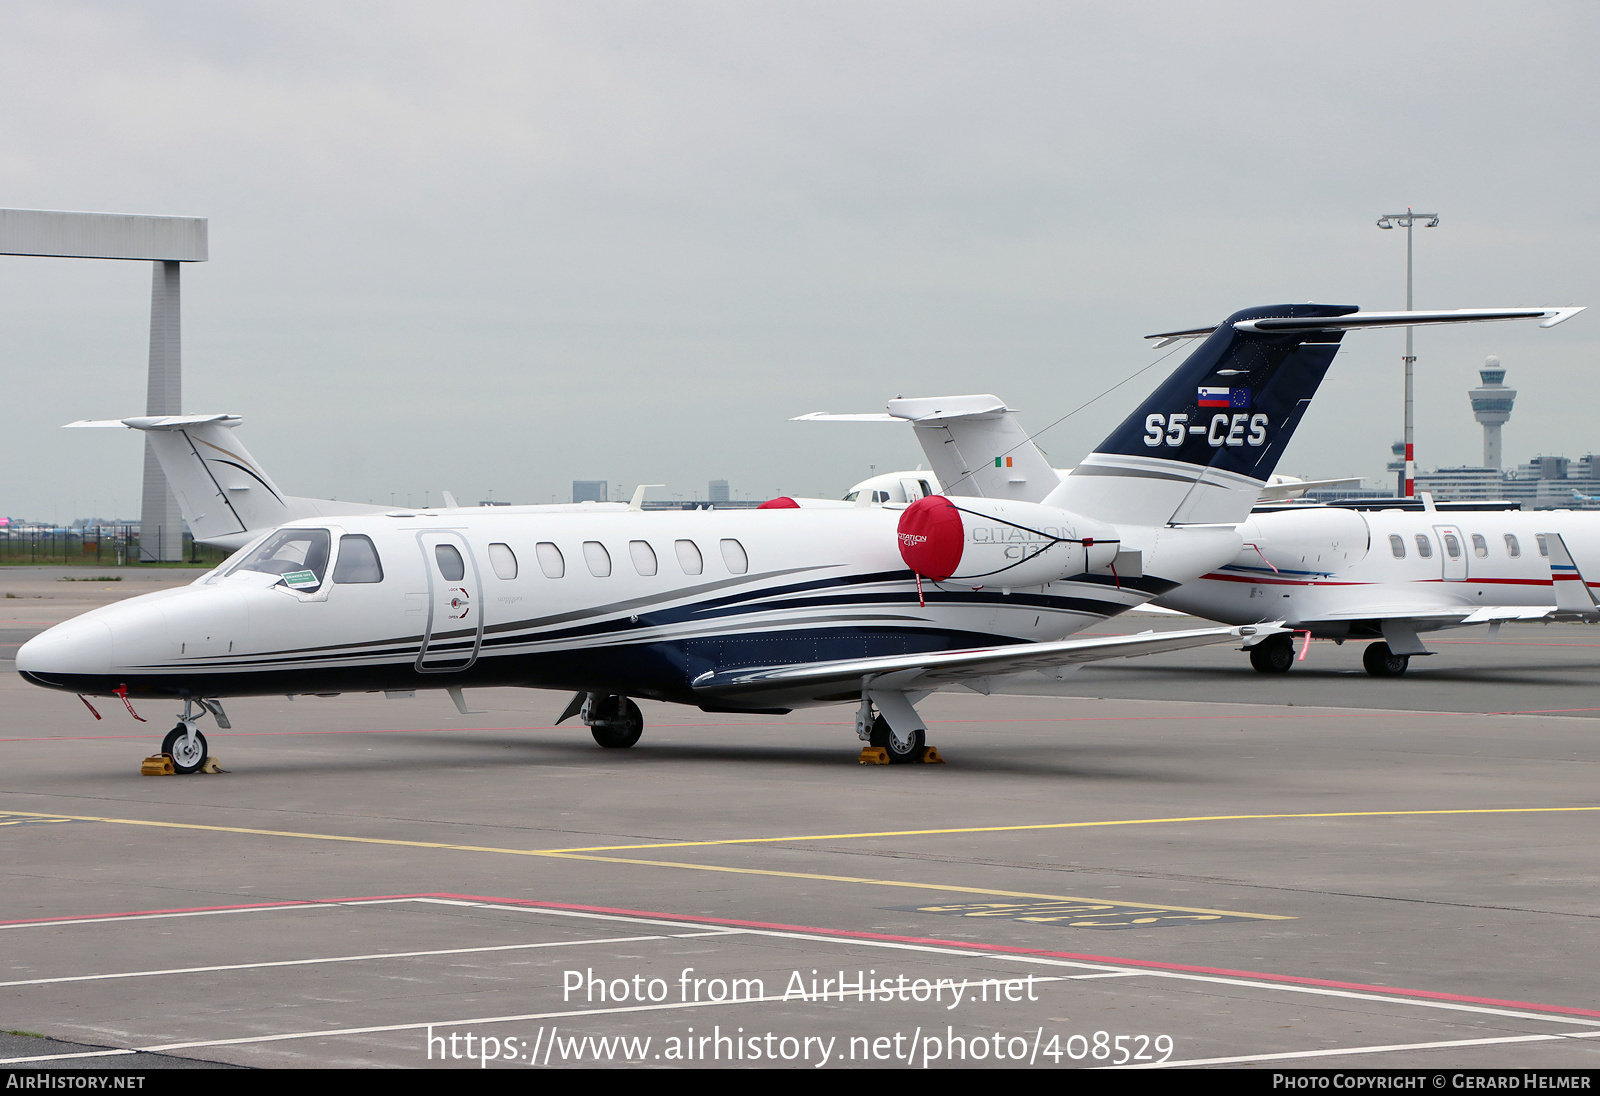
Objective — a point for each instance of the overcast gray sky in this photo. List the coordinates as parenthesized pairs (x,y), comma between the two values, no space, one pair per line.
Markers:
(498,247)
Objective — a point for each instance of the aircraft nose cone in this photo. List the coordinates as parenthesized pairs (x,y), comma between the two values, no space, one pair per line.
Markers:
(74,648)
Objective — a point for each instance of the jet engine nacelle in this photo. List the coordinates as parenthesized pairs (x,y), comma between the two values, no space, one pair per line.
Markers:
(981,542)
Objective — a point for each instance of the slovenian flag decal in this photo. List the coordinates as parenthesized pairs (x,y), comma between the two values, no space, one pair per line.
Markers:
(1225,397)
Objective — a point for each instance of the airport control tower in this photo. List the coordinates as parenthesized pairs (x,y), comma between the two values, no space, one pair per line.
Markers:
(1491,406)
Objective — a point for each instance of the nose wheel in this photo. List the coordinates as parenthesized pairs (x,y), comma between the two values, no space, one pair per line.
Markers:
(188,751)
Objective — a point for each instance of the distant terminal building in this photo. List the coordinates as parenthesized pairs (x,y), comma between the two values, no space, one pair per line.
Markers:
(717,491)
(1543,483)
(1463,484)
(589,491)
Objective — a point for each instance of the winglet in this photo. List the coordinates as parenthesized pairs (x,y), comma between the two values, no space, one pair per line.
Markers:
(637,502)
(1572,592)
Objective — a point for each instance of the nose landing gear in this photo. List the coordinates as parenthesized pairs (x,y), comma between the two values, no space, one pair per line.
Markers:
(185,744)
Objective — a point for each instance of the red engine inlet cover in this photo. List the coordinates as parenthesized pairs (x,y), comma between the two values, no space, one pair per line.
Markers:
(931,537)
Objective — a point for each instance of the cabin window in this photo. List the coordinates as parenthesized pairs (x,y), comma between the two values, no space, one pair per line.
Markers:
(644,557)
(1480,547)
(689,557)
(1513,549)
(504,561)
(300,556)
(1424,546)
(1397,545)
(358,560)
(451,565)
(1452,545)
(598,559)
(550,561)
(1544,545)
(733,555)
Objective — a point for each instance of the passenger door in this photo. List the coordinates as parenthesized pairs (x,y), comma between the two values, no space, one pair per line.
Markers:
(1452,553)
(453,634)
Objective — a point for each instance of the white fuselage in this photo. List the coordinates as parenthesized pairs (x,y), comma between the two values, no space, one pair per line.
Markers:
(638,603)
(1306,566)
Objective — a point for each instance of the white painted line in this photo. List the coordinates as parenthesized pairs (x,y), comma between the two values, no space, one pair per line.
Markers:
(585,914)
(1287,1055)
(1107,974)
(329,959)
(323,1033)
(1098,969)
(1219,979)
(64,1057)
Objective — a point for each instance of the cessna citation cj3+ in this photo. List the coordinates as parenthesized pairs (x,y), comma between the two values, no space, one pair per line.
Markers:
(755,610)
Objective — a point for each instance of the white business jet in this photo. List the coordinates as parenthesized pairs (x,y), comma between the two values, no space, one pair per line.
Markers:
(1387,575)
(758,610)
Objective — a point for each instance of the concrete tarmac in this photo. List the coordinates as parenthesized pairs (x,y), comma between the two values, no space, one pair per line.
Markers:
(1184,862)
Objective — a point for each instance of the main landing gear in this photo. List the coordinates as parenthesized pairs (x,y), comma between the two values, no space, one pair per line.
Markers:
(615,721)
(895,735)
(901,751)
(1380,661)
(1273,655)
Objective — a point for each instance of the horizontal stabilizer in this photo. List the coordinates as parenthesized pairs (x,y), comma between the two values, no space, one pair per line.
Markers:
(1273,492)
(1356,321)
(226,497)
(828,416)
(159,422)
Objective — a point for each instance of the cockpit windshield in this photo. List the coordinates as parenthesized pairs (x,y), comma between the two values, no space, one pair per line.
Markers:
(300,556)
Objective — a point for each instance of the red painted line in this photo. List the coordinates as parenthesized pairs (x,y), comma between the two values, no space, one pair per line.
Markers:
(1512,643)
(857,934)
(1011,949)
(1337,713)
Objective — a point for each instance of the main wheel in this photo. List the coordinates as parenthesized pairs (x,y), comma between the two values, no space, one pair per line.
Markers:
(618,723)
(898,755)
(1273,655)
(186,757)
(1382,662)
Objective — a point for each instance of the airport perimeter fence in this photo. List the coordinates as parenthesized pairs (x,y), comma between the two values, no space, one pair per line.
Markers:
(92,546)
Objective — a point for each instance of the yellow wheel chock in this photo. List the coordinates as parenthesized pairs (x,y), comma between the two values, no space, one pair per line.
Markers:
(161,765)
(879,755)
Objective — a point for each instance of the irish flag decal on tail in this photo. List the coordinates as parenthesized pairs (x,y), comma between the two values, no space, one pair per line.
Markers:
(1225,397)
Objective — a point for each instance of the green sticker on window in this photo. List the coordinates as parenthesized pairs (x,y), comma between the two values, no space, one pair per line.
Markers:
(295,580)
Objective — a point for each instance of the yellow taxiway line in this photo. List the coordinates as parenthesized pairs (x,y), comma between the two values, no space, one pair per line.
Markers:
(590,854)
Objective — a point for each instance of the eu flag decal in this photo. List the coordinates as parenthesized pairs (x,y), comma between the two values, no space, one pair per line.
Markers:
(1237,398)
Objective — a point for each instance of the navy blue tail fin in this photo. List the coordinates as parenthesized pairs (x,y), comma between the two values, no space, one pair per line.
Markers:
(1201,447)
